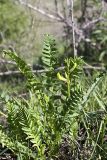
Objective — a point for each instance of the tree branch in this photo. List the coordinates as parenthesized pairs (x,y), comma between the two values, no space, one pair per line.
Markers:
(41,11)
(73,30)
(66,20)
(93,22)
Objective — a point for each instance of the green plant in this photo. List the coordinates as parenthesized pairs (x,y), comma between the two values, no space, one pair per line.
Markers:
(13,20)
(57,108)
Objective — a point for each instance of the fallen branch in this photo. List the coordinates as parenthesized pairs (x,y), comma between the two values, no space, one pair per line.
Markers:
(6,62)
(89,67)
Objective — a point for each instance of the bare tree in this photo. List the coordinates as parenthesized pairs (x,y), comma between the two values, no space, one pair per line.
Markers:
(75,32)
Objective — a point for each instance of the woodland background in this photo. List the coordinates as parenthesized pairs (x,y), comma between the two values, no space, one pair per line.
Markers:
(23,24)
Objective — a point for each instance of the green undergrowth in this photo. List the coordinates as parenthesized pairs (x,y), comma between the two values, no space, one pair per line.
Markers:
(64,115)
